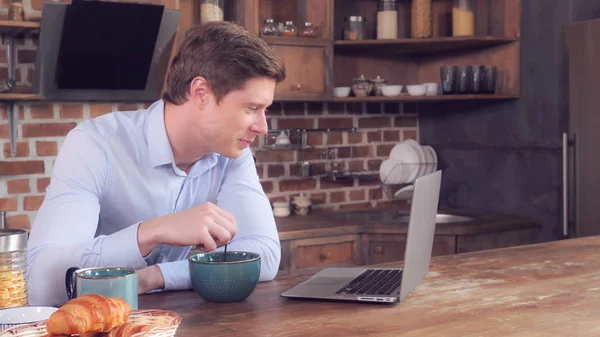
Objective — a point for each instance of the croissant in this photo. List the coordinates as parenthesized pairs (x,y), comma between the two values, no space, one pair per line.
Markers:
(88,313)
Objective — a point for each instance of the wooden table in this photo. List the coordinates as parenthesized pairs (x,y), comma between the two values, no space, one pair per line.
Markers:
(550,289)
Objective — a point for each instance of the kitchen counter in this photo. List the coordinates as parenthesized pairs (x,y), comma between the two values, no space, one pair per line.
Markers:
(387,220)
(549,289)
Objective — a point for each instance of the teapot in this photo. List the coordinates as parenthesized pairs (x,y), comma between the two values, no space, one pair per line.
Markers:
(362,86)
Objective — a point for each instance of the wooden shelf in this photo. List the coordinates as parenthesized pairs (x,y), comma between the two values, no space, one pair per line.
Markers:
(438,98)
(19,97)
(296,41)
(421,46)
(17,27)
(19,94)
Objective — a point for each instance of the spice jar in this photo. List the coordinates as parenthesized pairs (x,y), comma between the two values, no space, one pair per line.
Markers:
(354,28)
(377,84)
(211,10)
(387,19)
(289,29)
(13,264)
(16,12)
(362,86)
(463,22)
(269,28)
(301,204)
(421,19)
(308,30)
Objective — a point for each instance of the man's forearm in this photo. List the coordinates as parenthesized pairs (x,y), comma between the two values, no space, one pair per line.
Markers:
(47,264)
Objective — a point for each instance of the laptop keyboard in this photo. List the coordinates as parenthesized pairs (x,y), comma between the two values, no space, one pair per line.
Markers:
(373,282)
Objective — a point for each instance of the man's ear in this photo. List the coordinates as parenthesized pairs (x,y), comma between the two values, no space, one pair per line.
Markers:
(200,91)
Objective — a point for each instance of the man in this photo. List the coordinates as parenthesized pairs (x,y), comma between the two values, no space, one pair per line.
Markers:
(139,188)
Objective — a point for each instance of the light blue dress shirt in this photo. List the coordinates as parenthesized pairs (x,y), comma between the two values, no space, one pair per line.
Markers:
(117,170)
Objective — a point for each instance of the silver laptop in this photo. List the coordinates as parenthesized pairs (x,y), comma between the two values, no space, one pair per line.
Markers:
(384,285)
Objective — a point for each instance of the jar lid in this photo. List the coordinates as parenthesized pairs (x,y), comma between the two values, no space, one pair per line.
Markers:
(289,23)
(355,18)
(12,240)
(269,21)
(308,24)
(378,80)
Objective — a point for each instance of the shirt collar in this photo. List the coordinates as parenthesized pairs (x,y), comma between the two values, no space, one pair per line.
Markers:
(159,148)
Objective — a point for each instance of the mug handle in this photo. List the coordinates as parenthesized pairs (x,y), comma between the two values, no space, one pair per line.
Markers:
(70,283)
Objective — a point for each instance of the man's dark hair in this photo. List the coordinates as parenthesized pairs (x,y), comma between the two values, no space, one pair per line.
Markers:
(224,53)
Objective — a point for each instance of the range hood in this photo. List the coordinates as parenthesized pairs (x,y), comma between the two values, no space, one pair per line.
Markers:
(103,51)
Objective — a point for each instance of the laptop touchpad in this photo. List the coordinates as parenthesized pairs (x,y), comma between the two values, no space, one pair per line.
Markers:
(327,281)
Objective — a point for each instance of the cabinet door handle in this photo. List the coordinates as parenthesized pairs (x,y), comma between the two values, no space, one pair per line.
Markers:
(378,250)
(297,86)
(325,256)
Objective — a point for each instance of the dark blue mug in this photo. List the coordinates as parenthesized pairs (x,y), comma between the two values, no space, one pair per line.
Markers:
(109,282)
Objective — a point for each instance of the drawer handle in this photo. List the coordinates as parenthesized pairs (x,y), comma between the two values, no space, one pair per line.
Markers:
(325,256)
(378,250)
(297,86)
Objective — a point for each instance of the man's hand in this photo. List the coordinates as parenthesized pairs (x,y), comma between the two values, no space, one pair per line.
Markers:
(150,278)
(206,226)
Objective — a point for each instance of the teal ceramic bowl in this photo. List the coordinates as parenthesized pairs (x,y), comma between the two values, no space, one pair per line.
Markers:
(224,281)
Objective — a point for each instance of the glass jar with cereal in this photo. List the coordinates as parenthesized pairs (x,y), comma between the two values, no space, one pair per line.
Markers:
(13,265)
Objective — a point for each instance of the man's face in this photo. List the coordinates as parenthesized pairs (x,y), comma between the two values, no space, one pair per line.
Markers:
(229,127)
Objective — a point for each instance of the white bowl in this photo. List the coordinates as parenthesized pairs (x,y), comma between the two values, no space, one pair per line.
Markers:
(416,89)
(391,90)
(432,88)
(10,317)
(341,91)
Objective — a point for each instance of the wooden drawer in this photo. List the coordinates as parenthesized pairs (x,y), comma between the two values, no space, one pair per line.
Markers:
(326,251)
(382,248)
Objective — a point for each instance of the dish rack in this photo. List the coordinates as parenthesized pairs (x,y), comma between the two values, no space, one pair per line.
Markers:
(165,322)
(403,190)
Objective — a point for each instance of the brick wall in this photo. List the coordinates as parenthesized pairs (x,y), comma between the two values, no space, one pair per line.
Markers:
(379,128)
(41,128)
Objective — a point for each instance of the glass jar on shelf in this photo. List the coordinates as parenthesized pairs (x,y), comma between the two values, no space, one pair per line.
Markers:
(463,22)
(308,30)
(289,29)
(421,19)
(211,10)
(13,265)
(387,19)
(16,11)
(354,28)
(269,28)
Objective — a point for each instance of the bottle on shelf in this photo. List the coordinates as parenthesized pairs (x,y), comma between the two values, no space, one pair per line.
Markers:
(289,29)
(463,21)
(421,19)
(269,28)
(387,19)
(354,28)
(211,10)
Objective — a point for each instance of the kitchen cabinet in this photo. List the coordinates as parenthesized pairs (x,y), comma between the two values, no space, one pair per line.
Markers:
(308,67)
(324,240)
(403,60)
